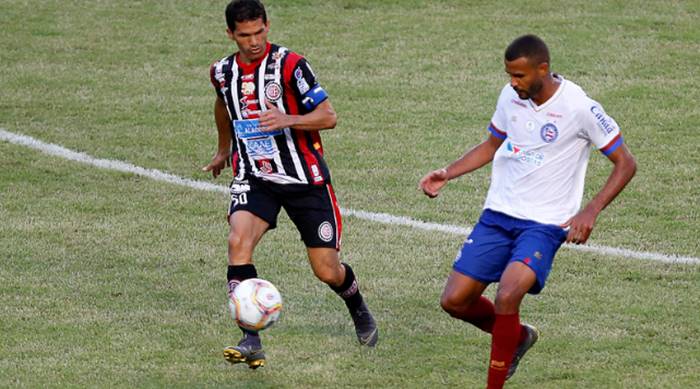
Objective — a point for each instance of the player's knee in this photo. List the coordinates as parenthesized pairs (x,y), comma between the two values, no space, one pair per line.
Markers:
(449,304)
(238,244)
(329,276)
(508,300)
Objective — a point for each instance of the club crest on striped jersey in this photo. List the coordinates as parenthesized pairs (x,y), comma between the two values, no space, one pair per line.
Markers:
(273,91)
(325,231)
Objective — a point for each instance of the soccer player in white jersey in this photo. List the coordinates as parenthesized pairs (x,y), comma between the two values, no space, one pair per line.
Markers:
(540,138)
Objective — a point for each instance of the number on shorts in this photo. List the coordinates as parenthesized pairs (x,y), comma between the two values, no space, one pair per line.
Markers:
(241,198)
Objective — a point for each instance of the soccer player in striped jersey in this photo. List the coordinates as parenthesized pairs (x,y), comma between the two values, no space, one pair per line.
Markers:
(269,110)
(539,142)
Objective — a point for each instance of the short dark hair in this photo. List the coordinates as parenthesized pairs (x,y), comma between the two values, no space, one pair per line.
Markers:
(529,46)
(244,10)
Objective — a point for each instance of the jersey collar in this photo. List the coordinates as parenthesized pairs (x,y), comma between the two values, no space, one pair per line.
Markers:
(551,100)
(249,67)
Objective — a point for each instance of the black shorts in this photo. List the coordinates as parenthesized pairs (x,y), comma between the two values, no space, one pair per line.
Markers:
(313,209)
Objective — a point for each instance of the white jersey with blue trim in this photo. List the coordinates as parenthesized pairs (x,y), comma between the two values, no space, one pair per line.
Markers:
(539,171)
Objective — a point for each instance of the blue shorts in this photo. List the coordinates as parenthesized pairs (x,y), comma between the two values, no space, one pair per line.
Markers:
(499,239)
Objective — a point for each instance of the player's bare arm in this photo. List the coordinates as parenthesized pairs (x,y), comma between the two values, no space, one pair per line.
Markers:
(581,225)
(223,150)
(323,117)
(473,159)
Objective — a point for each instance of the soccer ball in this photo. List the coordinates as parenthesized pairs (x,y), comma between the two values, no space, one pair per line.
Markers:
(255,304)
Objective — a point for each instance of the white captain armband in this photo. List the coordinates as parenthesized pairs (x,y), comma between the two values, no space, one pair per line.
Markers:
(314,97)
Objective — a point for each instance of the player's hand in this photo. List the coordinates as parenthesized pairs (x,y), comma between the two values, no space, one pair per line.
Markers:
(273,119)
(432,182)
(217,164)
(580,226)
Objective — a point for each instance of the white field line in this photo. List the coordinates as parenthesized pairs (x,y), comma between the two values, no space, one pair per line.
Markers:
(59,151)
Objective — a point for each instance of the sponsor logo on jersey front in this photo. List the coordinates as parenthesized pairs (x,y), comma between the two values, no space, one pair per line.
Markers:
(247,88)
(261,148)
(527,156)
(245,101)
(247,129)
(259,144)
(246,113)
(265,166)
(325,231)
(549,133)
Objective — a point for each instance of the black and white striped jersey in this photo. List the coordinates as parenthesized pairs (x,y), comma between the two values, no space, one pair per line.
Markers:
(285,79)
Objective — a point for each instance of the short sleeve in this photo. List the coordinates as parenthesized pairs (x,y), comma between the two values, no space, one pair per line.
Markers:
(214,77)
(601,129)
(498,123)
(306,86)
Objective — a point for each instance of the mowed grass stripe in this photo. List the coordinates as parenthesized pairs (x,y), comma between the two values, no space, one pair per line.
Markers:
(60,151)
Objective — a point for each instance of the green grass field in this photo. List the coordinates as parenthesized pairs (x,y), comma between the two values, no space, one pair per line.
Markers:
(109,279)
